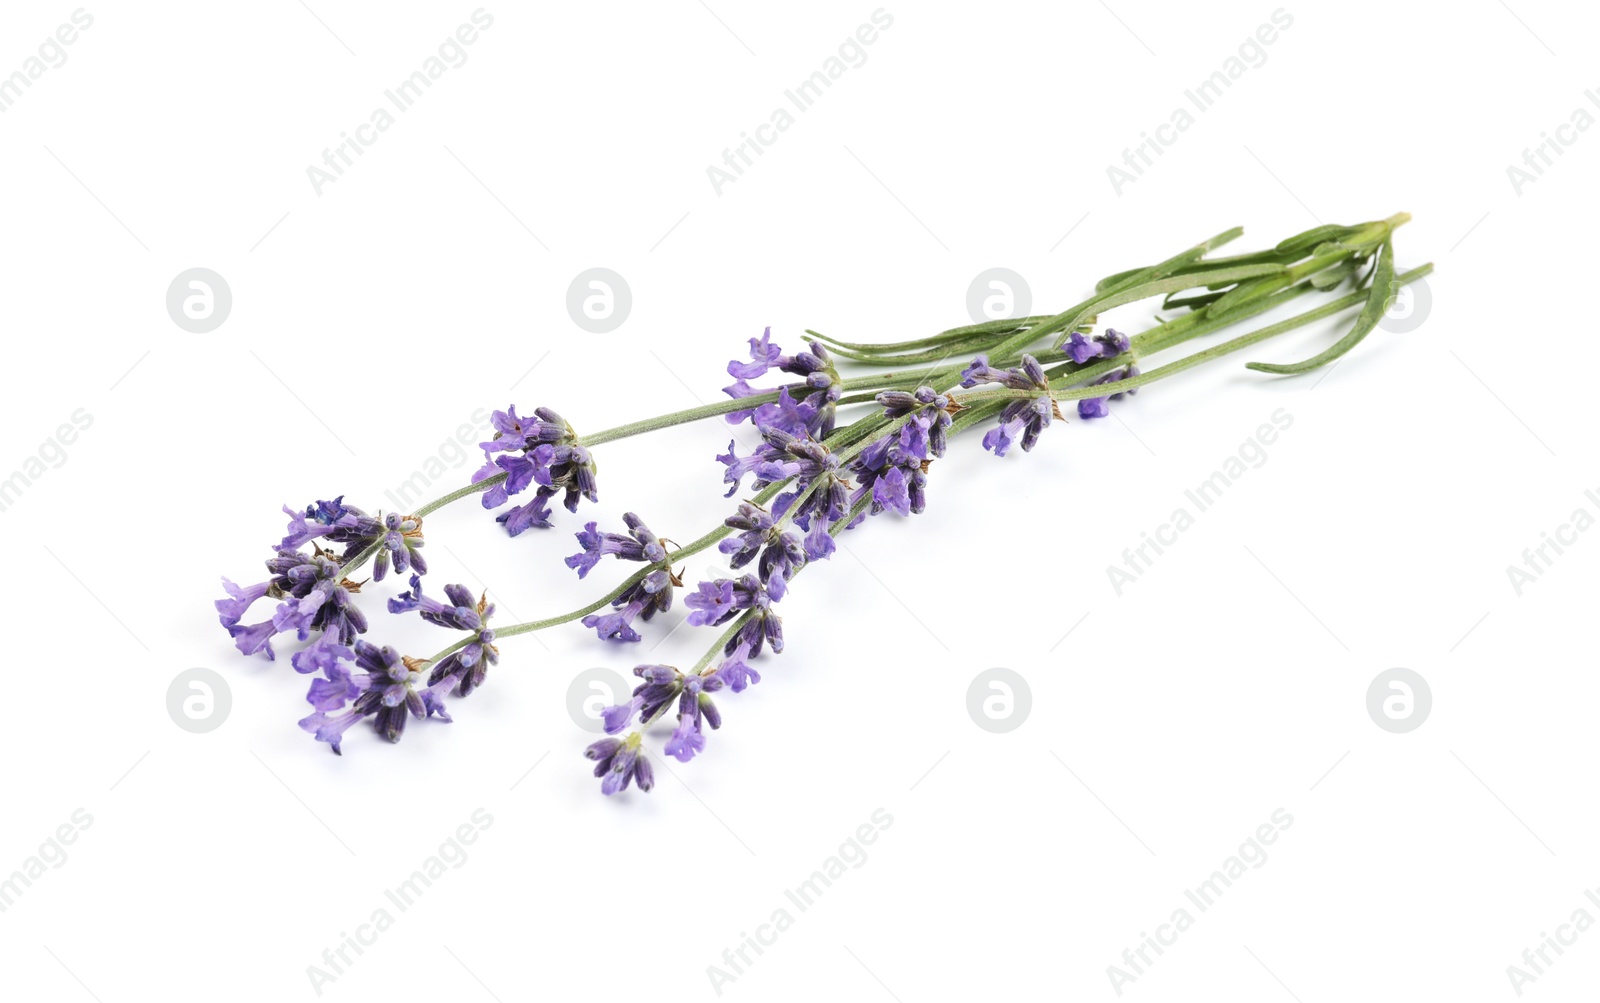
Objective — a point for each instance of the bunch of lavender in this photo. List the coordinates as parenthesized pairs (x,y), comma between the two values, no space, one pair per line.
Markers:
(812,476)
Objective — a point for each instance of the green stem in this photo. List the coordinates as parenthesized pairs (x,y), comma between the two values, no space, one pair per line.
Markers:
(704,542)
(679,418)
(1190,361)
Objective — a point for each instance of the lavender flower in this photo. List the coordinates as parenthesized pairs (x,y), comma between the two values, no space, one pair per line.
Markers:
(402,543)
(319,599)
(644,599)
(662,686)
(619,761)
(1022,419)
(513,432)
(695,710)
(639,545)
(534,512)
(550,457)
(388,691)
(315,597)
(466,667)
(331,520)
(781,551)
(1095,407)
(735,671)
(717,602)
(892,472)
(933,413)
(819,391)
(321,655)
(1028,376)
(232,609)
(1103,346)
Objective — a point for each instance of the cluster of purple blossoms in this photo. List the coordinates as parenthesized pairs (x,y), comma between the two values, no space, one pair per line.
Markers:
(312,592)
(402,544)
(391,687)
(620,760)
(1109,345)
(763,533)
(791,450)
(932,414)
(1095,407)
(650,595)
(662,686)
(893,469)
(468,664)
(541,450)
(813,408)
(715,603)
(389,690)
(1021,419)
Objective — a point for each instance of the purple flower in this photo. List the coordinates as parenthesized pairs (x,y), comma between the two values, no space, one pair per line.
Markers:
(695,710)
(615,718)
(319,598)
(616,625)
(735,670)
(818,543)
(892,474)
(1020,420)
(315,596)
(461,612)
(644,599)
(1027,376)
(619,762)
(466,667)
(686,740)
(781,455)
(718,602)
(334,520)
(712,603)
(512,432)
(330,728)
(933,413)
(543,450)
(527,515)
(782,553)
(321,655)
(1103,346)
(232,609)
(785,414)
(1095,407)
(253,637)
(763,356)
(402,542)
(389,690)
(335,689)
(818,391)
(639,545)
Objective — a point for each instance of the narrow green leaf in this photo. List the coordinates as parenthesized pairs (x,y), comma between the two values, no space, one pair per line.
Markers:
(1170,265)
(1379,296)
(1132,292)
(1302,242)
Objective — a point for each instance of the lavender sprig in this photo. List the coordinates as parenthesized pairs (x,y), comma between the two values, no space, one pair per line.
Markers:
(813,475)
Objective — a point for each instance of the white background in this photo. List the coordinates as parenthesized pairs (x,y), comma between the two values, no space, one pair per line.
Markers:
(1229,681)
